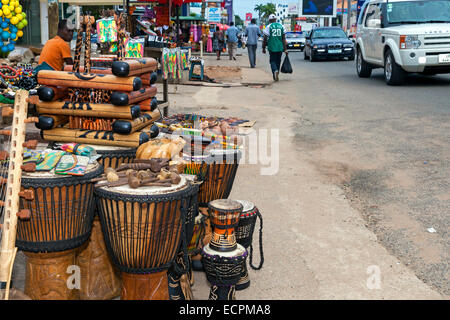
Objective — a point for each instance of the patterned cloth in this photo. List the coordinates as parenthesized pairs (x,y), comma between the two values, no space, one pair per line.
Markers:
(106,30)
(218,41)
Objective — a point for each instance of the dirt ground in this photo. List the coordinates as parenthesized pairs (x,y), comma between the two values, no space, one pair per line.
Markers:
(220,73)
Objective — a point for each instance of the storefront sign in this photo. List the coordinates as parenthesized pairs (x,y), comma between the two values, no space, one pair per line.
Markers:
(213,14)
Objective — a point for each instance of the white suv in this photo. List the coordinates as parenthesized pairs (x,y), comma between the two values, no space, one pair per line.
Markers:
(403,36)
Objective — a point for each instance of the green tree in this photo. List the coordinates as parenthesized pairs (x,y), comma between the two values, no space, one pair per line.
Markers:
(265,10)
(268,9)
(259,9)
(238,20)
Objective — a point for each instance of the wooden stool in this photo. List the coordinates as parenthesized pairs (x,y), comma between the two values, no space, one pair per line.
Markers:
(192,75)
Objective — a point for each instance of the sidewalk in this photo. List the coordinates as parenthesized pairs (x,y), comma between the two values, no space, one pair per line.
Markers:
(316,245)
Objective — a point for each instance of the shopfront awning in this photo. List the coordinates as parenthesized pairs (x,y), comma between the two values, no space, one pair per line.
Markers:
(120,2)
(93,2)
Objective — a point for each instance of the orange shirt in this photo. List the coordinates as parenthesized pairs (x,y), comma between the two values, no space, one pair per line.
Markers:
(54,53)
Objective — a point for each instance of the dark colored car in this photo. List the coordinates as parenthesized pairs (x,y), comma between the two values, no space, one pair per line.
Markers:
(295,40)
(328,42)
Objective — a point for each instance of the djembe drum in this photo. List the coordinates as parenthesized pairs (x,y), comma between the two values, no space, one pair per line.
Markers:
(222,168)
(100,280)
(217,184)
(179,287)
(224,215)
(114,156)
(197,164)
(223,257)
(244,236)
(143,229)
(61,221)
(223,270)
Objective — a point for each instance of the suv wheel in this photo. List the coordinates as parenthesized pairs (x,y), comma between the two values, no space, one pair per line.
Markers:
(393,73)
(362,67)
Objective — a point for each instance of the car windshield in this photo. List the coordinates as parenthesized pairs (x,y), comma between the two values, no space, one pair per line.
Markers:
(328,33)
(294,35)
(431,11)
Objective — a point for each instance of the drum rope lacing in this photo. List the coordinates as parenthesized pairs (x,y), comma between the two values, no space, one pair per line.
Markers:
(184,194)
(64,223)
(260,245)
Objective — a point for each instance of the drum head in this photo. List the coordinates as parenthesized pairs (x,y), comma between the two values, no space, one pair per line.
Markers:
(148,191)
(247,205)
(239,251)
(225,205)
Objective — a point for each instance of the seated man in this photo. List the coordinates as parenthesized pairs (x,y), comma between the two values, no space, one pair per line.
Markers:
(56,51)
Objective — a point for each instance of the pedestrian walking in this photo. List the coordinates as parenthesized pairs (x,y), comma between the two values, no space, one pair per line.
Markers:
(275,41)
(232,40)
(252,32)
(218,41)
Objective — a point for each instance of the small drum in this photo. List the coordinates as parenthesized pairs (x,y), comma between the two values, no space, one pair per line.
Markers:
(220,176)
(61,221)
(223,270)
(224,215)
(244,236)
(143,230)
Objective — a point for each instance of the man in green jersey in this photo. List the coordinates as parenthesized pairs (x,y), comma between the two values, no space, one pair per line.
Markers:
(275,41)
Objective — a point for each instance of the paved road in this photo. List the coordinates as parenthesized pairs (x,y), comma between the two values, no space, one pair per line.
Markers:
(388,148)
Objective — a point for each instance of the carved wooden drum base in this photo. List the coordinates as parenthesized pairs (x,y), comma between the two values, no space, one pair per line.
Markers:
(100,280)
(152,286)
(49,276)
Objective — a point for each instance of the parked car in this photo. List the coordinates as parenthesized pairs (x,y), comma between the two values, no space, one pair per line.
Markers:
(328,42)
(403,36)
(295,40)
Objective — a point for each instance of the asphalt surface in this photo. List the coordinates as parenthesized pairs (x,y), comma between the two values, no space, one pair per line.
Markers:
(388,148)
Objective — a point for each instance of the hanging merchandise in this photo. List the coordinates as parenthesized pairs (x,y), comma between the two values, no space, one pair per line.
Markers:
(13,20)
(209,45)
(173,62)
(134,48)
(107,30)
(113,48)
(195,32)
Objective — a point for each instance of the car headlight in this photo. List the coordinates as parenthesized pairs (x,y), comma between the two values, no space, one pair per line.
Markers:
(410,42)
(348,45)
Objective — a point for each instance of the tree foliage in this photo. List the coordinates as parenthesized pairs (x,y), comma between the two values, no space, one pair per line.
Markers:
(265,10)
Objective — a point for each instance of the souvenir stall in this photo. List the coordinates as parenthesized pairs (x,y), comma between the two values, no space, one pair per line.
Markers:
(135,199)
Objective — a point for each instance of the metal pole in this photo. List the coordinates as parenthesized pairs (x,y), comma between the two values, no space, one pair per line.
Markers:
(349,15)
(342,15)
(178,28)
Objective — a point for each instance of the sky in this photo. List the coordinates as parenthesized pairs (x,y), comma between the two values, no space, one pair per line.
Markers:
(241,7)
